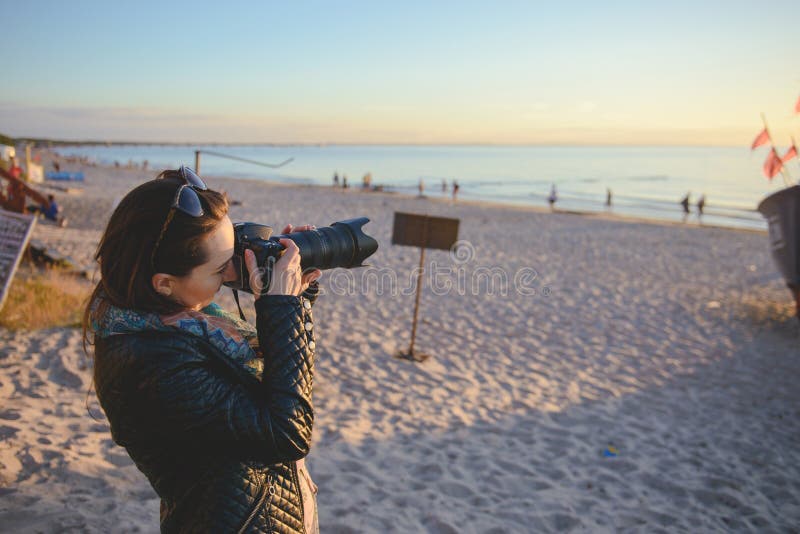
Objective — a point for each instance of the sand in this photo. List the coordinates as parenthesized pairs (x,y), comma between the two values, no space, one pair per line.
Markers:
(626,376)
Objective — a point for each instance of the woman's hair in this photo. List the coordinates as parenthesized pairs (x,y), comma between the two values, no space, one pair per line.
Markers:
(125,252)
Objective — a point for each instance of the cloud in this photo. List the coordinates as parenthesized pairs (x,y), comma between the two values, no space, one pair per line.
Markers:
(8,109)
(535,123)
(123,123)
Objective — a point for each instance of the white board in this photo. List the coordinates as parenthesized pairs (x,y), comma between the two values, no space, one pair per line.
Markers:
(15,231)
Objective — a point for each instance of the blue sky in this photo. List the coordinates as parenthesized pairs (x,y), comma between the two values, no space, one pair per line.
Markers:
(412,72)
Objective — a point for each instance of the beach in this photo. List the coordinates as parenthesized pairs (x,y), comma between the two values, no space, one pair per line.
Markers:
(586,374)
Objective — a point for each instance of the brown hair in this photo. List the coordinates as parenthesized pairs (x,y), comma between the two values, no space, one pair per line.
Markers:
(125,252)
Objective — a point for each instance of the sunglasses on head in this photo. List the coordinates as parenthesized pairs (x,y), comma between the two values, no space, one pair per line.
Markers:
(186,200)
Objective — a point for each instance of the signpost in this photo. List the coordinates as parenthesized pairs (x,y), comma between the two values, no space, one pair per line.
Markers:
(422,231)
(15,230)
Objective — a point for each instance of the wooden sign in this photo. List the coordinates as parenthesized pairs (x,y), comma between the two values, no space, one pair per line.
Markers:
(15,230)
(424,231)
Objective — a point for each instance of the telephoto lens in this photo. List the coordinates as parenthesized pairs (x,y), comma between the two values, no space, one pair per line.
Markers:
(342,244)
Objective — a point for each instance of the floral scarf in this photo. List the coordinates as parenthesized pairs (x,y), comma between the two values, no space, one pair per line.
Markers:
(235,338)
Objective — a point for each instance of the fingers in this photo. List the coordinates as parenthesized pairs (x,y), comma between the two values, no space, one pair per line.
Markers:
(286,274)
(289,228)
(311,276)
(291,254)
(250,260)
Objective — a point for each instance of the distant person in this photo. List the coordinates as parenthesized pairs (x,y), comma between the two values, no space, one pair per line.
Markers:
(701,205)
(50,210)
(608,197)
(57,166)
(456,187)
(145,164)
(336,179)
(13,169)
(553,197)
(366,182)
(685,203)
(344,182)
(421,187)
(444,186)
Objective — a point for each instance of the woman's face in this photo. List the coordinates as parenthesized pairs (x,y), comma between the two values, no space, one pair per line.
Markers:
(196,290)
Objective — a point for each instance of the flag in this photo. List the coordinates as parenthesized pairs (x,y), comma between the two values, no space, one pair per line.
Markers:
(797,106)
(772,165)
(791,153)
(760,139)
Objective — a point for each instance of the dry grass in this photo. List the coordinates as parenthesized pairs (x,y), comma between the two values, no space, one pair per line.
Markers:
(762,311)
(44,300)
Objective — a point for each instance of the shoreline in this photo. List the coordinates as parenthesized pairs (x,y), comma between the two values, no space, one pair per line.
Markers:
(736,206)
(498,205)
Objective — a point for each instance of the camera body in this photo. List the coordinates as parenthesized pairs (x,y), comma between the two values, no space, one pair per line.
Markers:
(342,244)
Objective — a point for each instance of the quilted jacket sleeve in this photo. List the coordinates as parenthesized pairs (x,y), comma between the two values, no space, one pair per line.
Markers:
(165,389)
(286,338)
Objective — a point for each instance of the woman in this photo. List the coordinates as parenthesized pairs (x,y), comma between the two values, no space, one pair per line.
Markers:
(217,414)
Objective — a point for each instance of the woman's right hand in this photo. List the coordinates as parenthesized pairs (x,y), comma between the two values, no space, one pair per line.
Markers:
(286,276)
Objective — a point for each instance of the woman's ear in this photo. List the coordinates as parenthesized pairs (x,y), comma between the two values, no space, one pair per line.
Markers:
(163,284)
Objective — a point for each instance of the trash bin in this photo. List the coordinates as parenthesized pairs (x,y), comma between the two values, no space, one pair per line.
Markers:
(782,211)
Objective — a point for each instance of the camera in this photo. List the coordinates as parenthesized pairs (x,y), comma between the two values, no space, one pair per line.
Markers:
(342,244)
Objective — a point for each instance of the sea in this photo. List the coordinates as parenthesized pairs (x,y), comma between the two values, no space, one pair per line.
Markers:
(646,182)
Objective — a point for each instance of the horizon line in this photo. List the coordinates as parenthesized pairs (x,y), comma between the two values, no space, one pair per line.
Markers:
(95,142)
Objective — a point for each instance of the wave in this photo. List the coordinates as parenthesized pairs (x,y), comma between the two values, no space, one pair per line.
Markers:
(654,178)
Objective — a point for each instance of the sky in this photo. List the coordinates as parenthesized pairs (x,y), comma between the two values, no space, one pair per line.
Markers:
(433,72)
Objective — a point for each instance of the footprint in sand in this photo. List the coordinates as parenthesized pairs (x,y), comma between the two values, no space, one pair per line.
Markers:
(119,460)
(436,525)
(563,522)
(7,432)
(428,472)
(456,489)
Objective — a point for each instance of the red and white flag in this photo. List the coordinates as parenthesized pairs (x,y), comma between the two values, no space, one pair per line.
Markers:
(760,139)
(791,153)
(772,165)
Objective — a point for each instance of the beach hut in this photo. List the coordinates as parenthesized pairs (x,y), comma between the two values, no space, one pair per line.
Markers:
(35,173)
(7,152)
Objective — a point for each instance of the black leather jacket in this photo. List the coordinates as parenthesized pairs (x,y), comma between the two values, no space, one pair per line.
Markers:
(218,446)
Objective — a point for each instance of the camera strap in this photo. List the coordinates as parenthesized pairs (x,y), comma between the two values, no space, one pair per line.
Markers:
(236,298)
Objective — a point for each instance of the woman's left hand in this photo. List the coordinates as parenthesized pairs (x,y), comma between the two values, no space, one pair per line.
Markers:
(311,275)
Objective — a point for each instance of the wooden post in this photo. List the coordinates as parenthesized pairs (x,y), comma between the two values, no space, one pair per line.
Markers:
(197,161)
(411,355)
(27,173)
(416,302)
